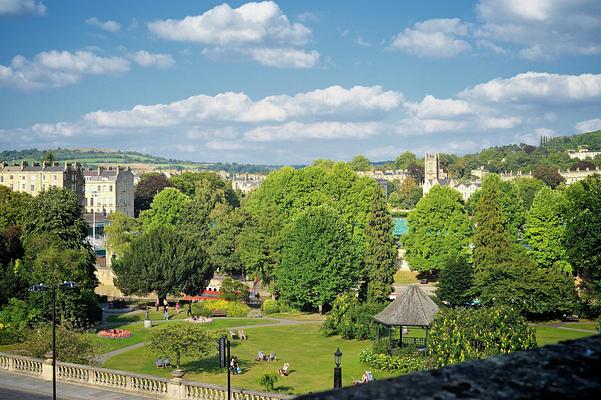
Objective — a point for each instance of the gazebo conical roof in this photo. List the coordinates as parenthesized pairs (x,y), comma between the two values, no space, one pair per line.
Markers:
(412,307)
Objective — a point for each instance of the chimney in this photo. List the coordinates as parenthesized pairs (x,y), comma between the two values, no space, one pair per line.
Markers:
(23,164)
(99,170)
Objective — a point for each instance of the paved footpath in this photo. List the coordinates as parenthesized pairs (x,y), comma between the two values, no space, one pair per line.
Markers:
(22,387)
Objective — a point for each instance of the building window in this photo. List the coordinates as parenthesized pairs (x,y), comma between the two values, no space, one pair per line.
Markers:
(32,188)
(11,186)
(92,202)
(44,186)
(1,179)
(22,177)
(110,188)
(54,177)
(43,177)
(11,177)
(98,188)
(23,186)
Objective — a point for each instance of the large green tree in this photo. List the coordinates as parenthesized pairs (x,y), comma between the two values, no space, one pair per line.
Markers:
(404,160)
(359,163)
(168,208)
(121,231)
(492,240)
(319,260)
(164,261)
(182,341)
(527,189)
(438,227)
(150,185)
(224,232)
(545,228)
(583,237)
(13,206)
(456,283)
(380,251)
(549,175)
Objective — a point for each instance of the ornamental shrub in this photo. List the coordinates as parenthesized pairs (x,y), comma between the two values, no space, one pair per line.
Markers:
(459,335)
(404,364)
(267,381)
(270,306)
(232,308)
(352,319)
(237,309)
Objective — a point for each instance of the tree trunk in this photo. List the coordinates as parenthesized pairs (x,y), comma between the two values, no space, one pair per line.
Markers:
(321,308)
(177,360)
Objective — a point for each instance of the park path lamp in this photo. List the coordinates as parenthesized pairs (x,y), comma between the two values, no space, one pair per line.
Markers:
(43,288)
(337,369)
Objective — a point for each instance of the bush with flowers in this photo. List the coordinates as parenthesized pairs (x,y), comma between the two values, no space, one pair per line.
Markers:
(115,333)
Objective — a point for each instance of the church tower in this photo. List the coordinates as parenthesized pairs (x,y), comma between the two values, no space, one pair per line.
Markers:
(431,167)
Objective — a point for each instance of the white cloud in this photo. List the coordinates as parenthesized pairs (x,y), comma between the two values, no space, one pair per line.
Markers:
(260,31)
(318,130)
(535,88)
(543,29)
(436,38)
(57,68)
(109,26)
(362,42)
(15,7)
(146,59)
(431,107)
(499,122)
(589,125)
(65,129)
(359,101)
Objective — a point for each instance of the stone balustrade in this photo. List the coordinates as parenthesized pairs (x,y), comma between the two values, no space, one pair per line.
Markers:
(121,381)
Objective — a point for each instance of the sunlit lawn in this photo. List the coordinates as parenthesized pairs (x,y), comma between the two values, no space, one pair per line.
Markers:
(309,353)
(591,326)
(140,334)
(549,335)
(299,316)
(135,316)
(405,277)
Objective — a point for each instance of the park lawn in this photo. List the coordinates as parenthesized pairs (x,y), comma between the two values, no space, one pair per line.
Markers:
(591,326)
(405,277)
(299,316)
(549,335)
(309,353)
(139,315)
(140,334)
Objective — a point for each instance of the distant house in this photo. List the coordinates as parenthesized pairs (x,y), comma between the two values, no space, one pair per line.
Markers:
(435,176)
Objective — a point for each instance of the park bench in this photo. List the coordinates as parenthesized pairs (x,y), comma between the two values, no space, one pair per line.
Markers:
(569,318)
(218,313)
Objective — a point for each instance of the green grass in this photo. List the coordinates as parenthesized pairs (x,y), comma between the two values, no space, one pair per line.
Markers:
(549,335)
(405,277)
(138,315)
(591,326)
(299,316)
(309,353)
(140,334)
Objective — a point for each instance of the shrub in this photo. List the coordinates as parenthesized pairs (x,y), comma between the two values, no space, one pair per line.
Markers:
(404,364)
(267,381)
(232,308)
(466,334)
(16,319)
(352,319)
(71,346)
(233,290)
(270,306)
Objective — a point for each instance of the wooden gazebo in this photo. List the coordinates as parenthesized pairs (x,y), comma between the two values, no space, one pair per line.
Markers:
(411,308)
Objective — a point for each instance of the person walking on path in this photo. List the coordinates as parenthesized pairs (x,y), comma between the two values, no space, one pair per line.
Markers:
(166,312)
(177,307)
(189,309)
(157,304)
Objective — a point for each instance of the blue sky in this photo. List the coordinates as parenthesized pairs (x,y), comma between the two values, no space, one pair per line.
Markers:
(291,81)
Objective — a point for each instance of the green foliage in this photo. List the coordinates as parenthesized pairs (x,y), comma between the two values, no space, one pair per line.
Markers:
(233,290)
(149,185)
(380,252)
(352,319)
(548,175)
(13,207)
(456,283)
(533,291)
(72,345)
(121,231)
(182,340)
(527,189)
(17,318)
(225,230)
(270,306)
(209,185)
(492,240)
(545,228)
(406,195)
(56,211)
(404,160)
(164,261)
(168,208)
(319,260)
(359,163)
(459,335)
(284,195)
(267,381)
(438,228)
(232,308)
(583,237)
(402,364)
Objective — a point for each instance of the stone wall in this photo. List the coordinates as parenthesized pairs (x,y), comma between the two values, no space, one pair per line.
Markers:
(570,370)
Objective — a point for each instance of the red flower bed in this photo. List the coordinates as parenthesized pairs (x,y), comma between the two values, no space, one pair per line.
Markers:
(115,333)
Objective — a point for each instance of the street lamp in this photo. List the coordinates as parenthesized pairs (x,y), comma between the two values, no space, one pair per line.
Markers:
(43,288)
(337,369)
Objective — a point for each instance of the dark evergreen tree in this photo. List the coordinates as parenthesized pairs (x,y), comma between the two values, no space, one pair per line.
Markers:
(492,241)
(150,185)
(456,283)
(380,251)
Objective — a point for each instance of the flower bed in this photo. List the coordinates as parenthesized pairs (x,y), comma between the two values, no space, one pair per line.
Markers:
(199,320)
(115,333)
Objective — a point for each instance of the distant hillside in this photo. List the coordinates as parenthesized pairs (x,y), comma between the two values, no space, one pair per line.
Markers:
(95,157)
(590,140)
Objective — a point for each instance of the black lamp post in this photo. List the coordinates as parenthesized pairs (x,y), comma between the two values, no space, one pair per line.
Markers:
(337,369)
(43,288)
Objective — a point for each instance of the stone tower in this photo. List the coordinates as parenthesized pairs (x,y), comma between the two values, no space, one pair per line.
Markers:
(431,167)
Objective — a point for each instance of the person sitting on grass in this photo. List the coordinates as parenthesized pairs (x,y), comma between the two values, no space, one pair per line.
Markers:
(167,362)
(159,363)
(260,356)
(271,357)
(284,371)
